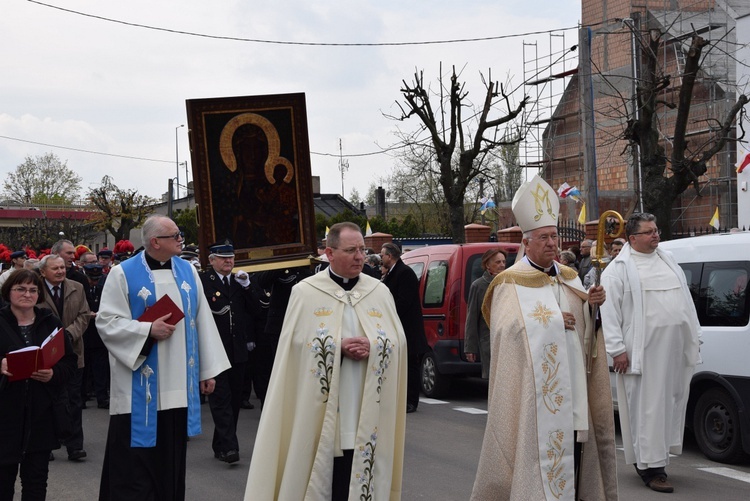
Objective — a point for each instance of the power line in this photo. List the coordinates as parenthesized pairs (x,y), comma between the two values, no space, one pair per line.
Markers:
(280,42)
(308,44)
(351,155)
(87,151)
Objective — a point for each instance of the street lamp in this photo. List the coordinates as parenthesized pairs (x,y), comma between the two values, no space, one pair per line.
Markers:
(185,164)
(177,159)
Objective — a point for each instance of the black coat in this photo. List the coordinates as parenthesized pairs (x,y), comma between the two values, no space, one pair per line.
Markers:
(404,286)
(26,415)
(259,303)
(91,335)
(280,283)
(75,274)
(231,309)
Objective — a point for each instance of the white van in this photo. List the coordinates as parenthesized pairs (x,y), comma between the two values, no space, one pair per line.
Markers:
(717,268)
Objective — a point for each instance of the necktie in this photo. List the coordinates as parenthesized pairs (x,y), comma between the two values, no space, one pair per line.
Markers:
(226,281)
(56,298)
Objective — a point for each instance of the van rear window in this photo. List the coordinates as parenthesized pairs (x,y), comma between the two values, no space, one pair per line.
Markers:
(724,287)
(719,290)
(434,289)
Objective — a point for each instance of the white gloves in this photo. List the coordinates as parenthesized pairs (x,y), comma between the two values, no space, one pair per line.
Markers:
(243,279)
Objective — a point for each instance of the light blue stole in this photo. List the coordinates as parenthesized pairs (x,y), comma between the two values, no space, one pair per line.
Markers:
(142,294)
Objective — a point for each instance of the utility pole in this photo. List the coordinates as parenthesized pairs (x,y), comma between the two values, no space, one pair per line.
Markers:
(343,167)
(591,190)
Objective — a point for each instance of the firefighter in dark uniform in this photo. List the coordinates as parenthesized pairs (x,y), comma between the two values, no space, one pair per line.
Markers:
(229,298)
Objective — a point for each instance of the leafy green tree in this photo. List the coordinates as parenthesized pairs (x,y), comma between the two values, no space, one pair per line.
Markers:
(187,220)
(42,180)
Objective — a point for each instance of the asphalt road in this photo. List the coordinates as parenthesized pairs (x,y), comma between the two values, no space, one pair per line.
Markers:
(442,451)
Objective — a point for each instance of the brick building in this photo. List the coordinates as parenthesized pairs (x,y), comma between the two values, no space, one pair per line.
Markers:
(616,26)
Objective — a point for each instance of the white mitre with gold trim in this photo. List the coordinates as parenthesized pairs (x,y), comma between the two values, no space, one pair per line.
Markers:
(535,205)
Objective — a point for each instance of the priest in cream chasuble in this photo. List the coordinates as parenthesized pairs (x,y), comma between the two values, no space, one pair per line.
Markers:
(338,386)
(547,416)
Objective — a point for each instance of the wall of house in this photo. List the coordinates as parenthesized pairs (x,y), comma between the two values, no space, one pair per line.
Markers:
(612,82)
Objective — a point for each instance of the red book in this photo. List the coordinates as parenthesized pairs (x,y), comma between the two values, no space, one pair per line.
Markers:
(21,363)
(160,308)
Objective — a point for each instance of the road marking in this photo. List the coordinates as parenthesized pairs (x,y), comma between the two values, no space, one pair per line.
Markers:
(432,401)
(470,410)
(729,472)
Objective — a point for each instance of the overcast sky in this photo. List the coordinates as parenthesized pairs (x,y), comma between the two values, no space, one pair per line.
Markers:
(84,83)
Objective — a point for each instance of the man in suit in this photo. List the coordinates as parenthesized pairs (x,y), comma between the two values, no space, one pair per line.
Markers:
(66,250)
(67,299)
(404,285)
(229,297)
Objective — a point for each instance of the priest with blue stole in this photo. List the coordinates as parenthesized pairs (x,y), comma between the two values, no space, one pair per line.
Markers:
(158,369)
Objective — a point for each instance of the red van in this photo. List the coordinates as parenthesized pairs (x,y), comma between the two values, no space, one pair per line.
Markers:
(445,274)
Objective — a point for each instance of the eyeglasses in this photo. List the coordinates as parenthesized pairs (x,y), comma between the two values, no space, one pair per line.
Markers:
(648,233)
(23,290)
(353,250)
(177,236)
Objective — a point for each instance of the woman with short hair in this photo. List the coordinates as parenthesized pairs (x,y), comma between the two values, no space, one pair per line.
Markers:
(477,333)
(29,430)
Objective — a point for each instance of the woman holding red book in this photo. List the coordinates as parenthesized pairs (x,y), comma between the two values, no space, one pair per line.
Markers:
(31,420)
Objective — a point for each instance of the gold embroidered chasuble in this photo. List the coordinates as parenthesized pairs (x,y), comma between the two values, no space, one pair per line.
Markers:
(297,436)
(528,446)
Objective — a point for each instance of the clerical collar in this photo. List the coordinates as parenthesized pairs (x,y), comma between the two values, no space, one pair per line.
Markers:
(158,265)
(345,283)
(551,271)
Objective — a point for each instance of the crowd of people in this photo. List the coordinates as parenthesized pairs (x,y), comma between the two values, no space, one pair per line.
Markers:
(333,354)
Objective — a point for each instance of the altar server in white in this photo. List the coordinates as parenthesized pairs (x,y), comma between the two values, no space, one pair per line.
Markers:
(652,334)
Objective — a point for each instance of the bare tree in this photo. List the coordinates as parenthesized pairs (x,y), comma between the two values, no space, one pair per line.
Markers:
(458,152)
(414,186)
(686,162)
(509,169)
(120,210)
(41,180)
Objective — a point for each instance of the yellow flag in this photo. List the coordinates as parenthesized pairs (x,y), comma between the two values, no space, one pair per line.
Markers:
(368,231)
(582,215)
(715,219)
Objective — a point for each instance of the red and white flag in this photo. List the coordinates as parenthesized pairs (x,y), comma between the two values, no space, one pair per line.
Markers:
(743,162)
